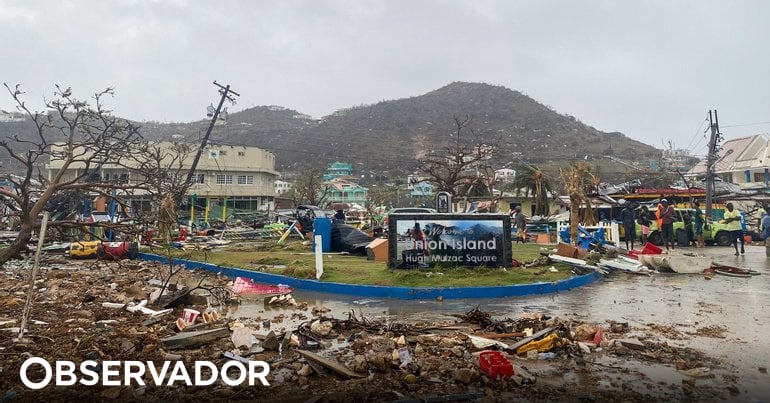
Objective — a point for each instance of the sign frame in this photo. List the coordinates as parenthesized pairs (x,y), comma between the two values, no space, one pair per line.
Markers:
(452,240)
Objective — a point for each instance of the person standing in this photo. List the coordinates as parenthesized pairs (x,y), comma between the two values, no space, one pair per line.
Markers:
(667,218)
(659,212)
(339,216)
(698,221)
(765,226)
(688,228)
(645,222)
(733,220)
(629,224)
(521,225)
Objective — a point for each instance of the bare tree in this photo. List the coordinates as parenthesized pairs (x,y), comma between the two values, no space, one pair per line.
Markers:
(163,170)
(310,187)
(462,165)
(75,139)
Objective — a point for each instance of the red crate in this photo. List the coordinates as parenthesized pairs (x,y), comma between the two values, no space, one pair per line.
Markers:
(494,364)
(650,249)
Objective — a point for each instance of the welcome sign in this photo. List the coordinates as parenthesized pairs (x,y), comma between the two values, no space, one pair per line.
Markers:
(449,240)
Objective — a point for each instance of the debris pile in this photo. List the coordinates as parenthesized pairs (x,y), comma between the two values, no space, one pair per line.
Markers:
(111,312)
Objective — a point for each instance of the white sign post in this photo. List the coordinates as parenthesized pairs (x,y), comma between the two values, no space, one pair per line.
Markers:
(319,257)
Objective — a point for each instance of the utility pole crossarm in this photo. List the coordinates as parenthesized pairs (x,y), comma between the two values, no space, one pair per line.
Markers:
(225,91)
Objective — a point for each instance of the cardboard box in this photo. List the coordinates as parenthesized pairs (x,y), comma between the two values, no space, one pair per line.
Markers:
(566,250)
(377,250)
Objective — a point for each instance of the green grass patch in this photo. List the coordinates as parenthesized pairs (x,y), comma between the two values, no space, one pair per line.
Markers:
(296,260)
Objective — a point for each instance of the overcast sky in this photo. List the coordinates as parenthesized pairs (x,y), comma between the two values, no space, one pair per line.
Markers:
(648,69)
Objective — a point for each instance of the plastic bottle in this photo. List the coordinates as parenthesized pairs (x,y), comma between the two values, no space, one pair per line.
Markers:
(546,356)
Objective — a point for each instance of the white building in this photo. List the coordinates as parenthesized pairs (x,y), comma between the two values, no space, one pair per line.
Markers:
(282,187)
(505,175)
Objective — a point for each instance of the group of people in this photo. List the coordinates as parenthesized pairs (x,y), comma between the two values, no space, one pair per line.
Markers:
(665,215)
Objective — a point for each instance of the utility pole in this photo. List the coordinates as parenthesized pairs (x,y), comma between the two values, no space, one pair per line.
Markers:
(225,92)
(711,159)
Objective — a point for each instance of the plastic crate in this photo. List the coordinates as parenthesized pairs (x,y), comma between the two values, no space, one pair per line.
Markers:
(495,365)
(650,249)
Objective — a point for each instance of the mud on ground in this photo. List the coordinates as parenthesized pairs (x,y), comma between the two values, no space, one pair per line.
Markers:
(68,322)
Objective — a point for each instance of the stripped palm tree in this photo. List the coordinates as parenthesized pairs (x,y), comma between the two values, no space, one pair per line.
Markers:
(575,178)
(533,182)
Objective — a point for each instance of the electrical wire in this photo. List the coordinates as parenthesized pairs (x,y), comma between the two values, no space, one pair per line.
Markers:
(698,131)
(748,124)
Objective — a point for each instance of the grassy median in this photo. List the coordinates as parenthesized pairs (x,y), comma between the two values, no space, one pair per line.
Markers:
(296,260)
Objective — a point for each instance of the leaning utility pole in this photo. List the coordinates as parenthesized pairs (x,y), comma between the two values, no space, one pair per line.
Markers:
(225,91)
(711,159)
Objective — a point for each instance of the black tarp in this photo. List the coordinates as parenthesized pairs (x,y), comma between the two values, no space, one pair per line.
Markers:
(346,238)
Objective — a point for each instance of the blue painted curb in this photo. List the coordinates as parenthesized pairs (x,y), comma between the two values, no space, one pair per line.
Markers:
(385,291)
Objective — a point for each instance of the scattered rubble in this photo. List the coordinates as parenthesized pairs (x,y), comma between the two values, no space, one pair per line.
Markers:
(104,312)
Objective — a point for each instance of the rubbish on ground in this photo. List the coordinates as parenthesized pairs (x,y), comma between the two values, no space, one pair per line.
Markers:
(235,357)
(242,338)
(245,286)
(271,342)
(584,347)
(140,307)
(633,344)
(526,340)
(494,336)
(682,264)
(495,365)
(478,317)
(546,356)
(194,339)
(698,372)
(480,343)
(545,344)
(281,300)
(733,271)
(329,364)
(404,357)
(190,315)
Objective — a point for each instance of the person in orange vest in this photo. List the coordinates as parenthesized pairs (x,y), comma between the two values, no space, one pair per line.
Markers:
(659,212)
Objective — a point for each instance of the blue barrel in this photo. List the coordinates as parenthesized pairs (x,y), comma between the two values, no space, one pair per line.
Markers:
(323,227)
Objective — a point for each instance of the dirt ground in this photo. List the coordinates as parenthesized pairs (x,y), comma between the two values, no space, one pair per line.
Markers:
(69,322)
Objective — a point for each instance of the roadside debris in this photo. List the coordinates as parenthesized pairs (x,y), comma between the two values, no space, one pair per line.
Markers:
(311,352)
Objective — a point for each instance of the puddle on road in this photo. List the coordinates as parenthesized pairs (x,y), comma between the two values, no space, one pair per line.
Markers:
(686,303)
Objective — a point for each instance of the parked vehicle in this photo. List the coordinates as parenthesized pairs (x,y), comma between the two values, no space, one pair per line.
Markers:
(713,232)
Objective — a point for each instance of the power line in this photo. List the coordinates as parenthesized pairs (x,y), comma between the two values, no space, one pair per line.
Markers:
(695,136)
(748,124)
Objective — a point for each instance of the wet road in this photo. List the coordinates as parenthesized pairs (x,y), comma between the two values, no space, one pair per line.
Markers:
(686,303)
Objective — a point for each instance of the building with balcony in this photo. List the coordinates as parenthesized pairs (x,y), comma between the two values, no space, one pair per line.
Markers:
(344,191)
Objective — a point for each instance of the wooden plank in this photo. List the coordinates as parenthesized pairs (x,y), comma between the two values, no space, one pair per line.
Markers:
(194,339)
(481,343)
(526,340)
(205,326)
(332,365)
(495,336)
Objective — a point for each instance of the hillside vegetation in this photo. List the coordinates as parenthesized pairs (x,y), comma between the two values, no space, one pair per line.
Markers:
(390,135)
